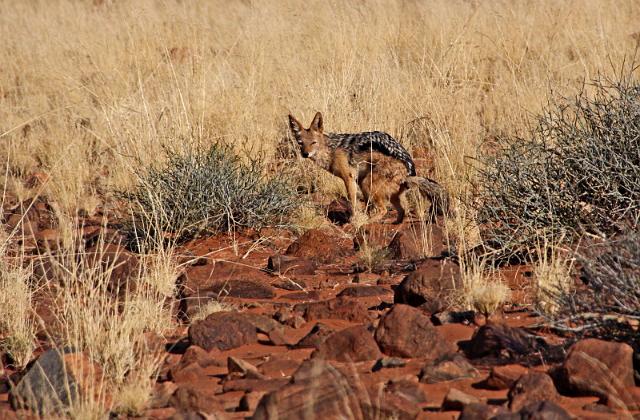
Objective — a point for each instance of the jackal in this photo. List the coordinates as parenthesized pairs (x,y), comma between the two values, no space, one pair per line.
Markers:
(374,160)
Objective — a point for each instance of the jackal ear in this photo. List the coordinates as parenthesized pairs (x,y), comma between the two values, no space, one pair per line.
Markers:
(296,127)
(316,124)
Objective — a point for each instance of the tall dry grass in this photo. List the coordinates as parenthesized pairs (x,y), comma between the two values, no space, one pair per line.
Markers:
(90,90)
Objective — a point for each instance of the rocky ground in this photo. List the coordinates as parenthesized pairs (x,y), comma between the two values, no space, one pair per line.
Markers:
(316,331)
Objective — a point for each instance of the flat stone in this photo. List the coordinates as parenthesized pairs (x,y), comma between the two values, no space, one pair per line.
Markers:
(364,291)
(343,307)
(353,344)
(223,331)
(449,368)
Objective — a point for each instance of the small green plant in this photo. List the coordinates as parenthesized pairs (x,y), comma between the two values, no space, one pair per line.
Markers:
(213,190)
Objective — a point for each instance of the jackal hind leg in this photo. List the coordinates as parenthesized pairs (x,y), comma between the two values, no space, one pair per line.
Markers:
(366,189)
(398,201)
(379,199)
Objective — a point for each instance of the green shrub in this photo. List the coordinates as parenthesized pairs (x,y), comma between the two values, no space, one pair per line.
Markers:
(213,191)
(576,173)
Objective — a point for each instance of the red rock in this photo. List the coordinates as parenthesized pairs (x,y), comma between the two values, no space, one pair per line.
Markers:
(281,337)
(262,323)
(162,393)
(457,400)
(278,367)
(195,354)
(339,308)
(410,389)
(187,373)
(198,280)
(366,278)
(354,344)
(415,241)
(317,390)
(242,368)
(193,398)
(449,368)
(600,368)
(54,380)
(501,340)
(319,245)
(250,385)
(309,295)
(543,410)
(532,387)
(397,400)
(407,332)
(244,289)
(289,265)
(222,330)
(503,377)
(481,411)
(364,291)
(429,286)
(250,400)
(291,284)
(316,336)
(407,246)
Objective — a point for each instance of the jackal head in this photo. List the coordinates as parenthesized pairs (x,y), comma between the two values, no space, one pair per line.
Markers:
(309,139)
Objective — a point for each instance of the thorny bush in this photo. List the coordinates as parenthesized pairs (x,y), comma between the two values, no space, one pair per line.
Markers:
(578,172)
(607,303)
(215,190)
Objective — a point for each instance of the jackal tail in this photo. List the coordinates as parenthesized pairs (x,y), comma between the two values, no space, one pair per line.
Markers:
(433,191)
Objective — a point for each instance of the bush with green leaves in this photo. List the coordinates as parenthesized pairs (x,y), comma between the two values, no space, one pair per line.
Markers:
(576,173)
(213,190)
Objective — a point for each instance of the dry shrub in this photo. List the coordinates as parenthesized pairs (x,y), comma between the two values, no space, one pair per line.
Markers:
(607,303)
(577,173)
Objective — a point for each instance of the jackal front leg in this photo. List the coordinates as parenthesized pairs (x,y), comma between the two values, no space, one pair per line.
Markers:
(352,193)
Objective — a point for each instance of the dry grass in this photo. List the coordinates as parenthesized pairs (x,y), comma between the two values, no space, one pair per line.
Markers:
(211,307)
(86,106)
(552,274)
(116,328)
(483,289)
(18,324)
